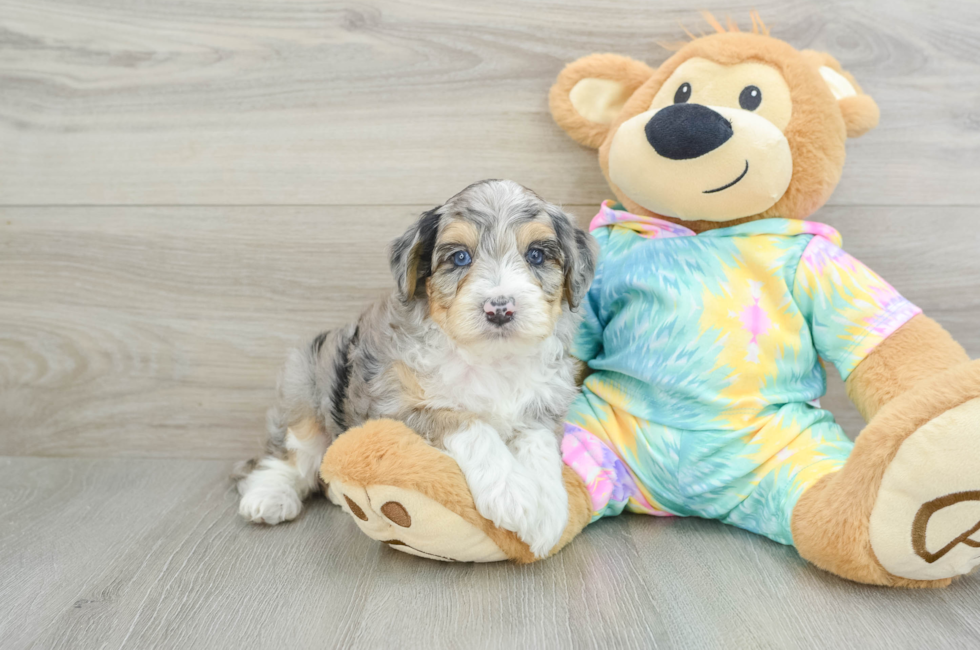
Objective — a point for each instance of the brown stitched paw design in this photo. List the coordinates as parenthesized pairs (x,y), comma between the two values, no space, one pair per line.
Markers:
(921,524)
(397,513)
(412,523)
(356,509)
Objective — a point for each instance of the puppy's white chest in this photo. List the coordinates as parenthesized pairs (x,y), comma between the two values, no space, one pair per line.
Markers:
(501,392)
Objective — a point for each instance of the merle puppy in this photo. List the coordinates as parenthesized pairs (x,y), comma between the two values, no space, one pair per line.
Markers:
(470,351)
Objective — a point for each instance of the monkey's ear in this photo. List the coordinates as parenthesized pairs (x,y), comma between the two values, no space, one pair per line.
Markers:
(590,93)
(859,111)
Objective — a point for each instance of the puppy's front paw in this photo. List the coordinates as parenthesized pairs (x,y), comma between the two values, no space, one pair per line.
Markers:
(524,494)
(551,520)
(508,501)
(537,512)
(271,505)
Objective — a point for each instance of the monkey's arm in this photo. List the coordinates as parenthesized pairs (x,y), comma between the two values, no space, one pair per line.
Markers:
(918,350)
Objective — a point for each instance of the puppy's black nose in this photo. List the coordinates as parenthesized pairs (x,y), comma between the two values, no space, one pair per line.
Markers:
(683,131)
(500,310)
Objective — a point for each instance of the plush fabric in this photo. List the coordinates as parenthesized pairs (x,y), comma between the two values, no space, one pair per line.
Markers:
(816,131)
(830,524)
(627,73)
(736,354)
(918,350)
(384,454)
(703,318)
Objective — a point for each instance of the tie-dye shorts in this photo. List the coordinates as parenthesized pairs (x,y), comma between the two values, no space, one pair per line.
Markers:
(634,465)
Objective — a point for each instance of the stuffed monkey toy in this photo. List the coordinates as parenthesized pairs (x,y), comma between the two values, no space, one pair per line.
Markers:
(714,302)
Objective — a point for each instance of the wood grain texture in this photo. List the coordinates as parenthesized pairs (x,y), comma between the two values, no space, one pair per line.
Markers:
(395,102)
(159,332)
(150,554)
(144,317)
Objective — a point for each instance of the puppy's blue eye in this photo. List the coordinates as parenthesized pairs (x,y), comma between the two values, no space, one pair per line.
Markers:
(535,256)
(462,258)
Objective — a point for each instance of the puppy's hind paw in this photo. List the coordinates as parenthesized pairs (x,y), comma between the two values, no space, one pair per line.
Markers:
(270,505)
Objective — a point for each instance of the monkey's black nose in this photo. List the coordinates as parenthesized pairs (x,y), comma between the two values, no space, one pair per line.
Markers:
(500,310)
(684,131)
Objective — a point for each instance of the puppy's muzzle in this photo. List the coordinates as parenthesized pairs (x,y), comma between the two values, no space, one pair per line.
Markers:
(500,310)
(685,131)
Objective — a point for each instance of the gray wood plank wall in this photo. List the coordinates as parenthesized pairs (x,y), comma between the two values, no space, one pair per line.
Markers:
(187,189)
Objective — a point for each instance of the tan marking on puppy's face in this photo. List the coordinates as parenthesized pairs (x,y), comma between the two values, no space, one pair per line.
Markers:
(533,231)
(438,310)
(462,233)
(548,276)
(498,264)
(517,260)
(442,289)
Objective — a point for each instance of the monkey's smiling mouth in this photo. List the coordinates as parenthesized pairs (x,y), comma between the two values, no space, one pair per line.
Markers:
(726,186)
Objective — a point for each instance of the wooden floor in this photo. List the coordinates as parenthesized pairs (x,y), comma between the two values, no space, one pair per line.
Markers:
(189,188)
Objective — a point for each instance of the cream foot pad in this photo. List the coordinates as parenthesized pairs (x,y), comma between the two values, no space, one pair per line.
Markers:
(925,524)
(413,523)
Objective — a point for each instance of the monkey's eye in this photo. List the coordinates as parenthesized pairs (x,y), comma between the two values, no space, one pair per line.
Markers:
(535,256)
(461,258)
(683,93)
(750,98)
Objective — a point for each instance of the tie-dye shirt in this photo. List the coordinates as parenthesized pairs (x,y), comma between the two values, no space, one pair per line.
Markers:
(705,350)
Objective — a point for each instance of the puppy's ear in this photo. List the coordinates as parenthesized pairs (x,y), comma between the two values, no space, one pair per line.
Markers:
(411,255)
(580,250)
